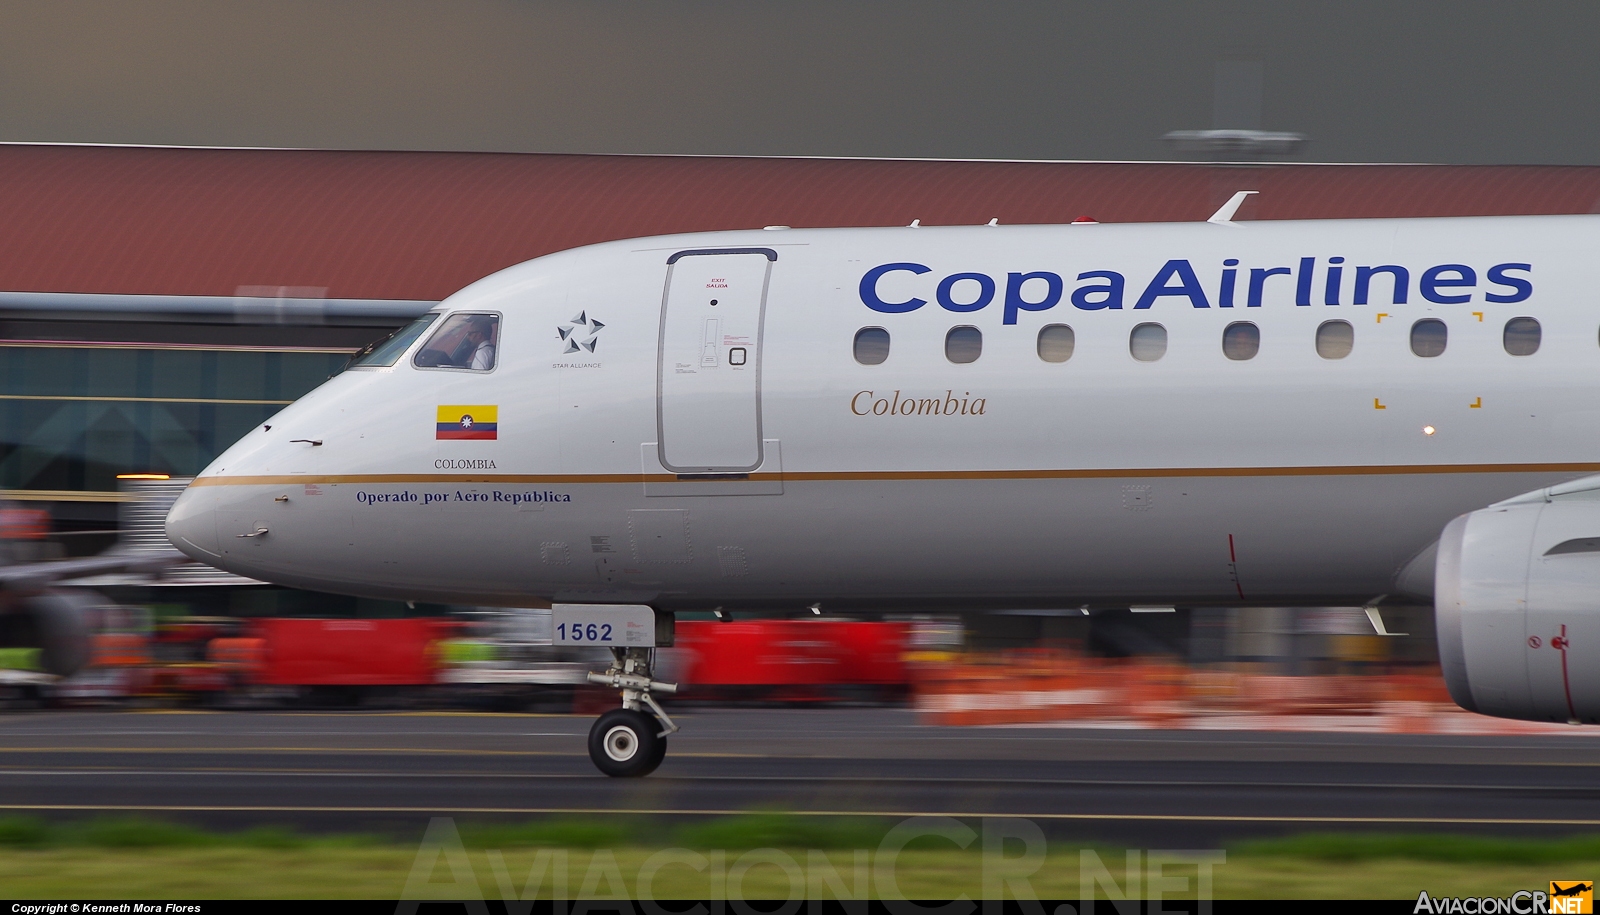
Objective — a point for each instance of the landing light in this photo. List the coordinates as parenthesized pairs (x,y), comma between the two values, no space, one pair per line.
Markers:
(1428,430)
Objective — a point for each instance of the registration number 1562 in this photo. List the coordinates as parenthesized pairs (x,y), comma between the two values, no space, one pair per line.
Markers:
(583,632)
(609,625)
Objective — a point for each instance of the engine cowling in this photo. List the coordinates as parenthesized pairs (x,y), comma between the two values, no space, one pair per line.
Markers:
(57,623)
(1517,605)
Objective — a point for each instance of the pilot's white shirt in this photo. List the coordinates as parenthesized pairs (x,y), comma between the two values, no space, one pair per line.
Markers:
(483,357)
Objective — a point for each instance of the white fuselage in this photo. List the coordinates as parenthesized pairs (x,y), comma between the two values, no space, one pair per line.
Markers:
(662,467)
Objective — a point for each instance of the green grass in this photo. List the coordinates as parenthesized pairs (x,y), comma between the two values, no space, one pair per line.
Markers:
(1352,847)
(778,830)
(123,856)
(135,832)
(613,832)
(764,830)
(24,832)
(383,871)
(734,833)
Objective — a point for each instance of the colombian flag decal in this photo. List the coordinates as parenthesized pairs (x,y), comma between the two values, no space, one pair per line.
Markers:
(468,422)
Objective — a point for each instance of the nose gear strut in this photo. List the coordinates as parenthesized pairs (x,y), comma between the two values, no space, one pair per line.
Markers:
(631,741)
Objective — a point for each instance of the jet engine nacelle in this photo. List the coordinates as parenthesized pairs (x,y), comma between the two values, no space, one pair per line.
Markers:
(55,622)
(1517,606)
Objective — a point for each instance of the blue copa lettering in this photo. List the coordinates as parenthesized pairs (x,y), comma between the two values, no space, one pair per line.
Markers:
(524,497)
(1178,281)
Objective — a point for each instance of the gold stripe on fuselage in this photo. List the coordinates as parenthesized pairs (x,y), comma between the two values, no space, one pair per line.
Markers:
(897,475)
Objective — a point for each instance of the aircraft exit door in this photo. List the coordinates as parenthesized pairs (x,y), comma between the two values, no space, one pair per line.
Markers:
(708,375)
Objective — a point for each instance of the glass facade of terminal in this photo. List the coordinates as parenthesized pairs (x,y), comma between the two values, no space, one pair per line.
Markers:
(74,414)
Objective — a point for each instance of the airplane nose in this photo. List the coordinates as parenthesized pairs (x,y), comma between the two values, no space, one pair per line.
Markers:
(192,526)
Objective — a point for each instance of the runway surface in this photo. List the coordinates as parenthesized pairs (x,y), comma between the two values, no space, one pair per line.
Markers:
(391,771)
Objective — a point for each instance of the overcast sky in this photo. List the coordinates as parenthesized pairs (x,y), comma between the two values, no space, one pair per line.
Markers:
(1378,80)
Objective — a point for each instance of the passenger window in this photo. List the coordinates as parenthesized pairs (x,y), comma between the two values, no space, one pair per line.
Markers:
(963,344)
(1522,336)
(872,345)
(388,349)
(1056,342)
(1148,342)
(1428,337)
(1241,340)
(464,341)
(1335,339)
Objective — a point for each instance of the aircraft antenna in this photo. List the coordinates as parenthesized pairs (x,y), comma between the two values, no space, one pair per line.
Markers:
(1224,214)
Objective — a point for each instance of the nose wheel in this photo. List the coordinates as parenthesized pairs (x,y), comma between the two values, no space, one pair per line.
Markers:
(630,742)
(627,744)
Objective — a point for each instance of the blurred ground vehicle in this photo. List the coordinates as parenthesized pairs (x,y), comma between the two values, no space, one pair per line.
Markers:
(804,660)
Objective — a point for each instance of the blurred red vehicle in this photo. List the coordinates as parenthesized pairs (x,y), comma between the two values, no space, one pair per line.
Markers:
(795,660)
(319,652)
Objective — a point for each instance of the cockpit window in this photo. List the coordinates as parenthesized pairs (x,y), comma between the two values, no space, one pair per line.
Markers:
(464,341)
(387,350)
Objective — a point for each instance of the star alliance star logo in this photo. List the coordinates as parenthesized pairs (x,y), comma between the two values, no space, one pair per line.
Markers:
(581,326)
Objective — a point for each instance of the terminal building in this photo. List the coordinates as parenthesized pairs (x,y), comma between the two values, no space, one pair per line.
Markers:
(156,303)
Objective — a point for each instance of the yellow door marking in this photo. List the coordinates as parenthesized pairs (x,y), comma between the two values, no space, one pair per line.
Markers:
(1382,315)
(1476,404)
(1479,316)
(1378,404)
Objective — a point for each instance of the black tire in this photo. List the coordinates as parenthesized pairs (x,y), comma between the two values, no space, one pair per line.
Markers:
(661,745)
(625,744)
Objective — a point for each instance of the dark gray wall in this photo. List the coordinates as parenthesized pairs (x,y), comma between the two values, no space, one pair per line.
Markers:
(1460,81)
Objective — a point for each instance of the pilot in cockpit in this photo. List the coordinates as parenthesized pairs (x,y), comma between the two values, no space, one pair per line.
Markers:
(480,338)
(464,342)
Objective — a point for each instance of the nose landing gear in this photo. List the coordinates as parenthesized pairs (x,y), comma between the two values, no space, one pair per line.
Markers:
(631,741)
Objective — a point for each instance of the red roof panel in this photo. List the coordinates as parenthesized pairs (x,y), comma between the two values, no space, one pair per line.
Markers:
(408,225)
